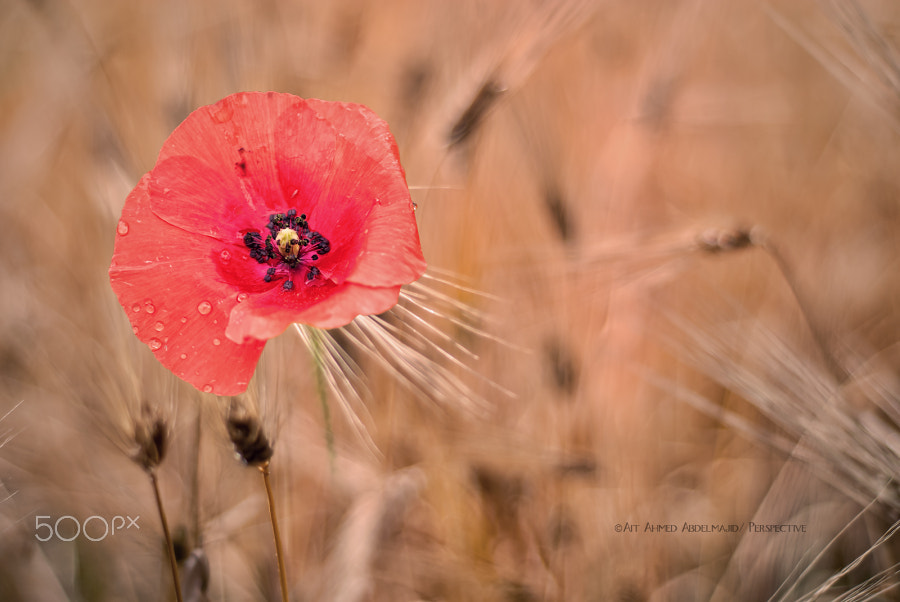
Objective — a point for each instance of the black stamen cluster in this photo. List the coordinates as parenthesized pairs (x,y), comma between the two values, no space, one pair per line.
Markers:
(312,243)
(319,243)
(258,250)
(279,221)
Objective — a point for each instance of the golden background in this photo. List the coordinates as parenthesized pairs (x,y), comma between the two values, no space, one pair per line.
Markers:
(565,157)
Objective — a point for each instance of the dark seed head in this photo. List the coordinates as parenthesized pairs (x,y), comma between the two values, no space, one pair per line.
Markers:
(250,442)
(151,436)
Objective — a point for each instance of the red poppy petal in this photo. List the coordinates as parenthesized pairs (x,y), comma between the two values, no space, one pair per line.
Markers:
(362,128)
(304,148)
(256,319)
(165,281)
(236,136)
(390,252)
(312,164)
(213,133)
(350,301)
(194,197)
(366,211)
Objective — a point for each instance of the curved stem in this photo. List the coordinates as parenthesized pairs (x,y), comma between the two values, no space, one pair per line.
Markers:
(279,555)
(169,546)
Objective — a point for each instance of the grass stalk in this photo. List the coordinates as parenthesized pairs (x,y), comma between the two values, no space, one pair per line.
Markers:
(279,554)
(170,548)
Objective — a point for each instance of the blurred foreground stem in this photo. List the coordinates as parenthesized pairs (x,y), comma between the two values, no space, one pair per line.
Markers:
(279,555)
(170,548)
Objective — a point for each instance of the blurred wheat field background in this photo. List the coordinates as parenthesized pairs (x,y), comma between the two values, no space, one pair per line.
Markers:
(666,233)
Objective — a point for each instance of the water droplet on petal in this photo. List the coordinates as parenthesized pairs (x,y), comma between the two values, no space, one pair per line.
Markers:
(158,326)
(149,307)
(222,113)
(242,297)
(295,193)
(122,228)
(204,307)
(183,356)
(154,344)
(217,342)
(207,388)
(225,255)
(184,320)
(136,307)
(134,329)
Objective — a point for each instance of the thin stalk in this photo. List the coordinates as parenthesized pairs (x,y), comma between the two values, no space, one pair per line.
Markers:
(165,525)
(279,555)
(195,482)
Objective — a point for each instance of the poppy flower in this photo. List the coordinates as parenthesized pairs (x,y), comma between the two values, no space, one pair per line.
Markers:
(263,209)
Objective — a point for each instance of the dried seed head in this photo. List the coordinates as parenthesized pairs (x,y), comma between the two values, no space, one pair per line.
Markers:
(151,436)
(717,240)
(246,433)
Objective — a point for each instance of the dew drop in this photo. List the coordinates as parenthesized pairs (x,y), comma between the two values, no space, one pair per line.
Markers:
(225,255)
(222,113)
(242,297)
(158,326)
(217,342)
(207,388)
(183,356)
(122,228)
(149,307)
(154,344)
(204,308)
(184,320)
(134,329)
(136,307)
